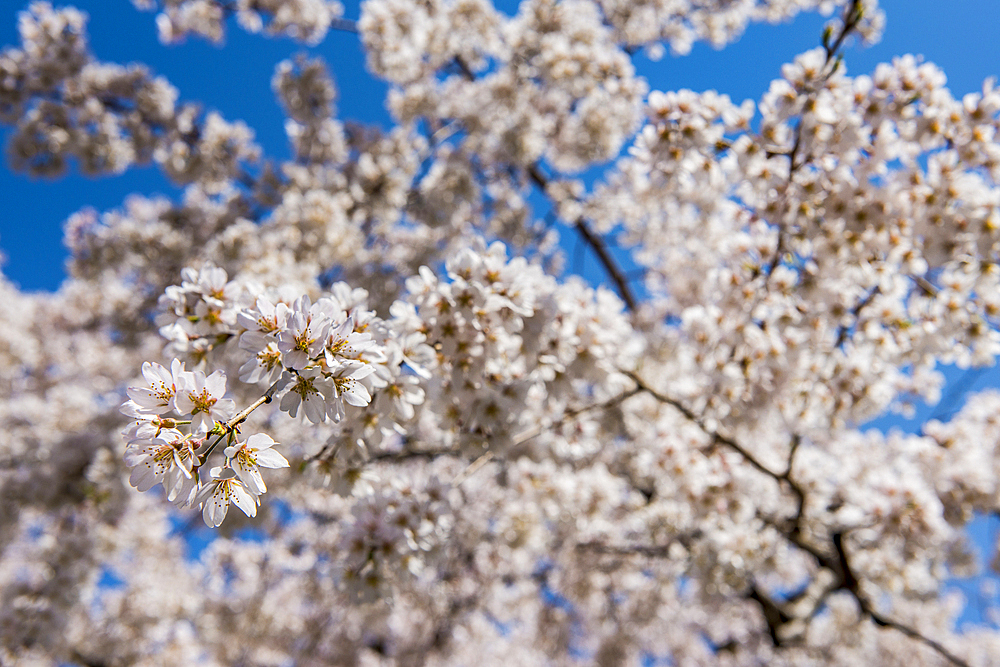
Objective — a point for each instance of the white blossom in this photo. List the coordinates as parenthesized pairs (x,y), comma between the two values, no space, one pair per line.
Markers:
(202,398)
(251,455)
(224,488)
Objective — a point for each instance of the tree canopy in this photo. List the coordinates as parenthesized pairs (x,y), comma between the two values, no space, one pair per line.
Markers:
(416,437)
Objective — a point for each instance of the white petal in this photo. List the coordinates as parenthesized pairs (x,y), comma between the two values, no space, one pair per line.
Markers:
(250,371)
(249,475)
(290,403)
(268,458)
(242,499)
(135,454)
(214,511)
(364,370)
(216,383)
(315,409)
(259,441)
(143,478)
(358,396)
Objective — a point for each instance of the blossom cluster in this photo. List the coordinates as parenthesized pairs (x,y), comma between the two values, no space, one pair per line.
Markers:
(303,20)
(158,452)
(105,117)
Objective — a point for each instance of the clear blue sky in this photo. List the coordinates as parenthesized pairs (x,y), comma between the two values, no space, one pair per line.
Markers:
(961,36)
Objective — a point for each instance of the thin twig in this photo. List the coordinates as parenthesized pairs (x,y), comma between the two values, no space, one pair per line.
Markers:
(850,583)
(844,330)
(472,469)
(596,244)
(648,550)
(535,431)
(242,416)
(715,435)
(345,25)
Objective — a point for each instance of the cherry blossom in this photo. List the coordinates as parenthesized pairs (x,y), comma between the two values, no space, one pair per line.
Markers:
(169,459)
(224,488)
(159,397)
(309,390)
(303,340)
(202,398)
(251,455)
(485,458)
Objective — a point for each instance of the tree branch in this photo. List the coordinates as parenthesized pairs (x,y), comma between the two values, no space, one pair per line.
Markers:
(596,244)
(844,330)
(648,550)
(715,435)
(850,583)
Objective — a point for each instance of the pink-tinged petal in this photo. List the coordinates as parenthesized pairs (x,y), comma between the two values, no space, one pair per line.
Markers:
(181,377)
(336,409)
(248,473)
(184,491)
(182,402)
(362,371)
(142,477)
(148,403)
(225,408)
(154,372)
(136,454)
(201,424)
(295,359)
(254,482)
(245,473)
(251,371)
(131,409)
(139,431)
(246,319)
(182,467)
(254,341)
(268,458)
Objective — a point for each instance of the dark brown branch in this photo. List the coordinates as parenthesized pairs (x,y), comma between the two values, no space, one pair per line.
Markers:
(648,550)
(521,438)
(344,25)
(592,239)
(878,619)
(525,436)
(411,454)
(774,616)
(849,582)
(596,244)
(852,17)
(838,562)
(844,330)
(715,435)
(800,494)
(784,478)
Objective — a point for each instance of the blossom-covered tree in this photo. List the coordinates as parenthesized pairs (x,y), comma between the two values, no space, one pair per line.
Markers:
(448,450)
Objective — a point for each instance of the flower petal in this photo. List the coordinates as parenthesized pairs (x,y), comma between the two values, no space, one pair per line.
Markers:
(242,499)
(268,458)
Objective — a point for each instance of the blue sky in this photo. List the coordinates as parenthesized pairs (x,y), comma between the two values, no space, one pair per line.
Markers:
(235,80)
(958,35)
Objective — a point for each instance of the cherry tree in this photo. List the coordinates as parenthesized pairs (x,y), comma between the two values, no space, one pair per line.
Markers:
(415,437)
